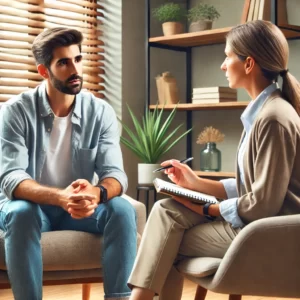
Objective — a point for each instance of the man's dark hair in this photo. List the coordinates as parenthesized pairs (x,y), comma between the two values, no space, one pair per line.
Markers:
(47,41)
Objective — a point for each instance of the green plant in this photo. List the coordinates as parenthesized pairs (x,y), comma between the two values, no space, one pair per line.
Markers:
(202,12)
(169,12)
(152,137)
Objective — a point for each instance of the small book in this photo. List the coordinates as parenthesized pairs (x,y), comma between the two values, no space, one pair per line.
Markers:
(219,100)
(214,89)
(172,189)
(214,95)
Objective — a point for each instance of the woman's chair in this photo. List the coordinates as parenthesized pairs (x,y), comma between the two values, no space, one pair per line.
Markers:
(72,256)
(263,260)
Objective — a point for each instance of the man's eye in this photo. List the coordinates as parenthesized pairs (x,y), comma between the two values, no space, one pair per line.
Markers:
(62,63)
(78,59)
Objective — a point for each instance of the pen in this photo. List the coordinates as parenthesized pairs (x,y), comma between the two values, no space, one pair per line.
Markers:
(170,166)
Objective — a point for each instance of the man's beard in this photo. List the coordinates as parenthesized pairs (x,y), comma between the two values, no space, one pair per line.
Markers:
(65,86)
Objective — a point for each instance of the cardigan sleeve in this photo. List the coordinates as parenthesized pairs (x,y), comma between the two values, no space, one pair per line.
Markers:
(270,164)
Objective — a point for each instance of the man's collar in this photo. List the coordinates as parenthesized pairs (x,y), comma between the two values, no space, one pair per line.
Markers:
(45,108)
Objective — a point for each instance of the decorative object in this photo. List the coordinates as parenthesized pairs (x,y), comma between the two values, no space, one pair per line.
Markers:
(167,89)
(210,156)
(150,139)
(202,16)
(170,15)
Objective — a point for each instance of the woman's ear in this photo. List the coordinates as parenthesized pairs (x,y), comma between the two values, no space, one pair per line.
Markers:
(249,64)
(43,71)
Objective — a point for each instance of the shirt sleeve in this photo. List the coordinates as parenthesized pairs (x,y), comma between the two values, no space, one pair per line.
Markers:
(109,162)
(13,151)
(228,210)
(230,187)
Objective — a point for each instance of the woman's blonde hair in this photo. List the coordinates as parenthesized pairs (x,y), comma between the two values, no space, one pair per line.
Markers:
(266,44)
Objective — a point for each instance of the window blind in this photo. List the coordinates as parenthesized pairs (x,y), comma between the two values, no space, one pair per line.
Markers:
(22,20)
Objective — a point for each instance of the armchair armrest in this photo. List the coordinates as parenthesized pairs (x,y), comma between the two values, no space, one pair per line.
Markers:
(140,212)
(263,260)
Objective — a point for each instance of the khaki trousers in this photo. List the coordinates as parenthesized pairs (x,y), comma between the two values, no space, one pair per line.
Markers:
(173,232)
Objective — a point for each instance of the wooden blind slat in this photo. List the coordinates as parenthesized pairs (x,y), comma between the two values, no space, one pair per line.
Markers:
(70,8)
(19,83)
(12,90)
(87,27)
(36,16)
(20,74)
(93,79)
(84,3)
(14,44)
(24,52)
(92,86)
(17,58)
(8,65)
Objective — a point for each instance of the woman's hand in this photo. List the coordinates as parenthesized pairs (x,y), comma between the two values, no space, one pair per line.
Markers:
(182,174)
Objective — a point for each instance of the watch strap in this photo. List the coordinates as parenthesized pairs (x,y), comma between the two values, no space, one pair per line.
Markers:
(205,211)
(103,193)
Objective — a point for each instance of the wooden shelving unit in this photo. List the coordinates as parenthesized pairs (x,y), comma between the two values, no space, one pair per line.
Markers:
(214,106)
(215,175)
(206,37)
(209,37)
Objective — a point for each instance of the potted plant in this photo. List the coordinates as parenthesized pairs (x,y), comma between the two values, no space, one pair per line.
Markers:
(201,17)
(170,15)
(150,139)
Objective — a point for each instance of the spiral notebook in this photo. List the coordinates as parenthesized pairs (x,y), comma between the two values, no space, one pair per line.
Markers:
(172,189)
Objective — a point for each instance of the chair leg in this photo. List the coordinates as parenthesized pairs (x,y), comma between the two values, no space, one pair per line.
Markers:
(235,297)
(200,293)
(86,291)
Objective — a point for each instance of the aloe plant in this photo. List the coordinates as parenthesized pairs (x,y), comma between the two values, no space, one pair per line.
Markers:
(152,137)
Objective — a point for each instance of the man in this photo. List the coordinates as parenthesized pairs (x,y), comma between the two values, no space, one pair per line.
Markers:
(55,140)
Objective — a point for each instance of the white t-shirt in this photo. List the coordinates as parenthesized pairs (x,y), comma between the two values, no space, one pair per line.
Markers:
(57,170)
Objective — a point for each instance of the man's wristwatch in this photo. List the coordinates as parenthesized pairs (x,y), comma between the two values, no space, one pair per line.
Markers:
(103,193)
(205,211)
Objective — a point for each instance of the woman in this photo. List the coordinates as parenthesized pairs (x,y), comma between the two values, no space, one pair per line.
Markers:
(268,172)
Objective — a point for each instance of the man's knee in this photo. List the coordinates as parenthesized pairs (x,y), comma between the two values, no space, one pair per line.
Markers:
(22,213)
(121,208)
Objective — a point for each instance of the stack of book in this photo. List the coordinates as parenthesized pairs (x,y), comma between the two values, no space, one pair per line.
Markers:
(259,10)
(214,94)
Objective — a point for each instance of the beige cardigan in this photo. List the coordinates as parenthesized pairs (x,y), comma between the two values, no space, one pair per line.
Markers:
(271,163)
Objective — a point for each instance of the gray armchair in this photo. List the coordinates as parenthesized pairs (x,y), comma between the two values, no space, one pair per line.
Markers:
(64,255)
(263,260)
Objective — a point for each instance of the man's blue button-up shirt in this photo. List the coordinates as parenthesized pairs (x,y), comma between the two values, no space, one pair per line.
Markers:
(25,127)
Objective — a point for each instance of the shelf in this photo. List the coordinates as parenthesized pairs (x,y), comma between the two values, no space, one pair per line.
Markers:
(215,175)
(206,37)
(209,37)
(210,106)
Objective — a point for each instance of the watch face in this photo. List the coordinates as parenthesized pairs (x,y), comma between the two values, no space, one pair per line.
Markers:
(103,195)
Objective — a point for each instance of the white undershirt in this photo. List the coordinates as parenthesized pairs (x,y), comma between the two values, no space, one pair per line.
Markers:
(57,170)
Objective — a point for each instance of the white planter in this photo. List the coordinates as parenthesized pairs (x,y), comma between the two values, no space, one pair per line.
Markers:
(146,175)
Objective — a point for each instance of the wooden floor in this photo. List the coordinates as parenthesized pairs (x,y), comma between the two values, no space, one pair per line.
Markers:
(73,292)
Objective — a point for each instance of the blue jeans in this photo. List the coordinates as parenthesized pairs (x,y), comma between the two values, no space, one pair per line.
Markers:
(24,221)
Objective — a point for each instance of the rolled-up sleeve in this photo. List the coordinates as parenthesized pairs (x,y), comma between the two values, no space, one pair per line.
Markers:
(230,187)
(228,210)
(109,157)
(13,151)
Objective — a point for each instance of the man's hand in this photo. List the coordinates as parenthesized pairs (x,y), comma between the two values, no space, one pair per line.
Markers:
(80,199)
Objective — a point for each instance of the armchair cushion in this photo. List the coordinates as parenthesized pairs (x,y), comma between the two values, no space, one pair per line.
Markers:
(199,266)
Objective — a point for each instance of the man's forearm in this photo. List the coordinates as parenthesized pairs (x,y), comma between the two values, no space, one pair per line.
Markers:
(113,187)
(32,191)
